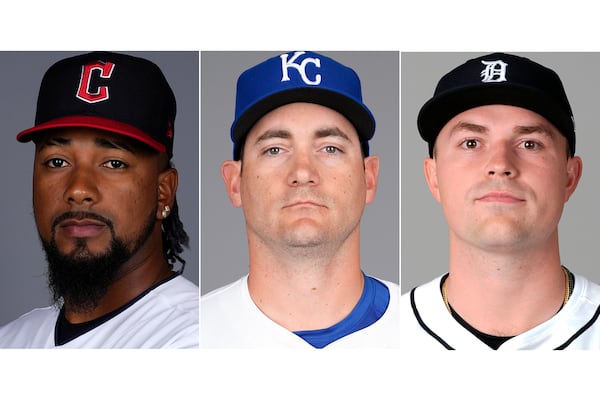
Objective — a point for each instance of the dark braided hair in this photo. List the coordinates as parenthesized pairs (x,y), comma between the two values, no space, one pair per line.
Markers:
(174,237)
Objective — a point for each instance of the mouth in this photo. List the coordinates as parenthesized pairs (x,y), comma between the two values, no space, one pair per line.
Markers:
(81,228)
(500,197)
(303,204)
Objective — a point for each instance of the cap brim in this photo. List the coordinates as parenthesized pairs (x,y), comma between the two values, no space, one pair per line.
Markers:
(92,122)
(436,113)
(358,114)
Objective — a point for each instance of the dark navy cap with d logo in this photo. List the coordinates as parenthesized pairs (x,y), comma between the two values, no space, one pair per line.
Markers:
(497,78)
(114,92)
(299,77)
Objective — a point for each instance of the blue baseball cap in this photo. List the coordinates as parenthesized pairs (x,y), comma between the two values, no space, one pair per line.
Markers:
(299,76)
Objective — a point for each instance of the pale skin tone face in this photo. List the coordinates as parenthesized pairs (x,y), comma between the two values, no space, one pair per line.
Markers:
(502,177)
(89,170)
(303,188)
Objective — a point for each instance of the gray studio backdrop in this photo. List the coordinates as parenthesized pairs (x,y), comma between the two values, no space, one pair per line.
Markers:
(224,254)
(424,232)
(23,267)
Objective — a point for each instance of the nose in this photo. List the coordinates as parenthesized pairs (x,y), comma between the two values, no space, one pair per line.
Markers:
(502,163)
(303,170)
(81,187)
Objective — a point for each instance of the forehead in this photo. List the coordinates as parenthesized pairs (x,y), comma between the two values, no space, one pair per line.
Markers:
(83,135)
(500,120)
(489,116)
(303,119)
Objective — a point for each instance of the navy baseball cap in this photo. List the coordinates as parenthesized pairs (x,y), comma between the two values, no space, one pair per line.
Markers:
(497,78)
(114,92)
(299,76)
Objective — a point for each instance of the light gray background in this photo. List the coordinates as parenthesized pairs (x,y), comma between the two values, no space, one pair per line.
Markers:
(424,233)
(23,267)
(224,246)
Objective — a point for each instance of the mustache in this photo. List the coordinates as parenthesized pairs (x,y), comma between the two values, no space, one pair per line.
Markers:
(306,196)
(518,190)
(81,215)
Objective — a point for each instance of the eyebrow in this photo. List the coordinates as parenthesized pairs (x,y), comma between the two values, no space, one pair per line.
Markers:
(114,144)
(537,128)
(273,134)
(53,141)
(329,132)
(284,134)
(100,142)
(519,129)
(468,126)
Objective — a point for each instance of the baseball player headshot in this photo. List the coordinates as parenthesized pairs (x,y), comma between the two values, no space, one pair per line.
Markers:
(502,160)
(106,208)
(303,170)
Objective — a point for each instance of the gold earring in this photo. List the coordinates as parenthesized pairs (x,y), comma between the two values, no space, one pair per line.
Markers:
(166,211)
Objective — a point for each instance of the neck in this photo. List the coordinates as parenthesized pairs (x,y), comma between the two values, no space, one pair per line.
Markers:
(505,293)
(313,291)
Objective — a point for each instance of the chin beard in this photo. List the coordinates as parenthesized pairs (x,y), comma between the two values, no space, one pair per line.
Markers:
(81,279)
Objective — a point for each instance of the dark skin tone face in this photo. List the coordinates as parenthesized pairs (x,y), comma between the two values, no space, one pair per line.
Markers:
(91,187)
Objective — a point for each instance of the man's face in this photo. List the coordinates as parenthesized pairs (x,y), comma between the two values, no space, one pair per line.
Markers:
(502,176)
(304,182)
(95,201)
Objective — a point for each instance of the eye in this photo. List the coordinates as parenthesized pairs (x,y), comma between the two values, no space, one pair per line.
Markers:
(115,164)
(530,145)
(331,149)
(470,144)
(273,151)
(56,163)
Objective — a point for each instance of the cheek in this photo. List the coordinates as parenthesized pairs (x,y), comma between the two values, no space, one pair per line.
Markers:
(349,187)
(255,189)
(350,184)
(44,186)
(130,206)
(550,185)
(448,181)
(46,197)
(453,190)
(139,196)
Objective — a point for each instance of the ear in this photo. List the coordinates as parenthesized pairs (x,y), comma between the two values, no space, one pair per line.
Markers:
(574,171)
(231,172)
(371,177)
(430,170)
(167,187)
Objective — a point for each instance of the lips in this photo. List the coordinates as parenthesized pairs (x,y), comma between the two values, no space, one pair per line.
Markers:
(81,228)
(500,197)
(302,203)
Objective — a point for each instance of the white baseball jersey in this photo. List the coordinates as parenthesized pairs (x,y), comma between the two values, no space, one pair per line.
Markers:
(427,324)
(165,316)
(229,318)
